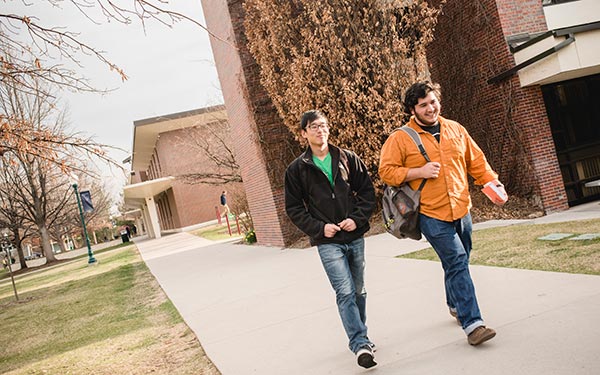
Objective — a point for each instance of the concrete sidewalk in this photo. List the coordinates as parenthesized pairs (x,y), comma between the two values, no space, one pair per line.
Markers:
(261,310)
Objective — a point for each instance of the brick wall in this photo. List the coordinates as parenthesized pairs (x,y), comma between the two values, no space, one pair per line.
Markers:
(521,16)
(261,141)
(509,122)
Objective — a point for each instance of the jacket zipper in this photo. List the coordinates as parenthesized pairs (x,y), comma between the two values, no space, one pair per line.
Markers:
(333,197)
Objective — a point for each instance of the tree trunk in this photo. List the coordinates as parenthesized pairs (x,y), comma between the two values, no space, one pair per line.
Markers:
(61,243)
(19,249)
(45,242)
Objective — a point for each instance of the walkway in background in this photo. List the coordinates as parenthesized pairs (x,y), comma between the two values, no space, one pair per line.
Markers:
(261,310)
(68,254)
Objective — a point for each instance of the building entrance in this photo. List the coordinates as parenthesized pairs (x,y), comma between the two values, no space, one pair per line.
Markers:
(573,109)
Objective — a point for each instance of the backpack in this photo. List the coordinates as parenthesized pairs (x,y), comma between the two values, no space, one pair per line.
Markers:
(401,204)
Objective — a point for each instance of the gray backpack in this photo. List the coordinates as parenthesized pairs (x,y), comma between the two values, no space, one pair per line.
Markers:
(401,204)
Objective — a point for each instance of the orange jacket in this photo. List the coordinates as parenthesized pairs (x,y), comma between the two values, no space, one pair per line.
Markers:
(446,197)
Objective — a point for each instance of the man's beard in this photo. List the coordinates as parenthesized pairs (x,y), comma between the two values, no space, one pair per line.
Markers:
(426,122)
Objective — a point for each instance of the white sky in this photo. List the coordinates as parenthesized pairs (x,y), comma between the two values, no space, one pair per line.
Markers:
(170,70)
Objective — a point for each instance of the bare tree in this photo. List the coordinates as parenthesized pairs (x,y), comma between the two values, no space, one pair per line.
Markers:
(239,205)
(37,58)
(30,47)
(213,142)
(32,125)
(42,158)
(11,212)
(64,220)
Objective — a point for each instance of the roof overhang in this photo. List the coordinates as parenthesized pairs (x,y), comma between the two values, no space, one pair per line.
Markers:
(140,191)
(146,132)
(560,55)
(131,215)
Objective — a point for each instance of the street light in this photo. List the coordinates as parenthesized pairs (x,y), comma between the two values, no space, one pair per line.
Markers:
(74,180)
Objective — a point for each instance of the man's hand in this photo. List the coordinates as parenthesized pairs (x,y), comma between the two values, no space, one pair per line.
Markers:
(348,225)
(502,191)
(330,230)
(430,170)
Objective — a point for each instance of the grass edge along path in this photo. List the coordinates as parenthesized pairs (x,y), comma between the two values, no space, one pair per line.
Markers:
(110,318)
(216,232)
(517,246)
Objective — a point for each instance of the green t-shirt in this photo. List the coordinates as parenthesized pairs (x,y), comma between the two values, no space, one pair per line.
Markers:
(325,166)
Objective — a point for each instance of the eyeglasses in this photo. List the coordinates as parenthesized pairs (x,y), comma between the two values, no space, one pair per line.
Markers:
(315,127)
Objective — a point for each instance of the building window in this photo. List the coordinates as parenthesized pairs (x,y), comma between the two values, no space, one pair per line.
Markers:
(574,117)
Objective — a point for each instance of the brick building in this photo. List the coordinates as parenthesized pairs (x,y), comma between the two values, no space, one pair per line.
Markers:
(527,82)
(521,75)
(256,128)
(165,149)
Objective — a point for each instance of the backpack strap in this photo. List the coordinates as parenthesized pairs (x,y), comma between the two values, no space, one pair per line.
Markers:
(344,170)
(417,139)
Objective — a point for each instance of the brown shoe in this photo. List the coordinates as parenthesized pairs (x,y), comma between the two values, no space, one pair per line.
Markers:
(480,335)
(454,315)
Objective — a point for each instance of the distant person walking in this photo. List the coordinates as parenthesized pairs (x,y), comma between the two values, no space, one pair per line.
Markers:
(330,197)
(224,206)
(445,200)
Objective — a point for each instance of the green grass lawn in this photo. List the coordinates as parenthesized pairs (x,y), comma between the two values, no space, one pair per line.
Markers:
(4,273)
(109,318)
(217,232)
(517,246)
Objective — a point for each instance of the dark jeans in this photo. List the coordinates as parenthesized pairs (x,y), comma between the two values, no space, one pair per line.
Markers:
(452,243)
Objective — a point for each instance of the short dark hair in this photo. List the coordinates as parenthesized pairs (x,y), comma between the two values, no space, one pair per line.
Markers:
(418,91)
(310,116)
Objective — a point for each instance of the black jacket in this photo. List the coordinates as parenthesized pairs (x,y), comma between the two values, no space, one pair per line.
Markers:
(311,202)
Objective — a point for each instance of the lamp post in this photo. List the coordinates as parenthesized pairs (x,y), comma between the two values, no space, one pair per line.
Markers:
(74,180)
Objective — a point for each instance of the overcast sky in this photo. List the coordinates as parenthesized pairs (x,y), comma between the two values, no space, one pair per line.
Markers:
(170,70)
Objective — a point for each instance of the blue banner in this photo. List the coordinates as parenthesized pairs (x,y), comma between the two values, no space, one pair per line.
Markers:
(86,201)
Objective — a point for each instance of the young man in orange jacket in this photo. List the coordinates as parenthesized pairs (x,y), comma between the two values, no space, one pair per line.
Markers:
(444,216)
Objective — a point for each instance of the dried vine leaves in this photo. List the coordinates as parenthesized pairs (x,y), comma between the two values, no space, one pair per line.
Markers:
(352,59)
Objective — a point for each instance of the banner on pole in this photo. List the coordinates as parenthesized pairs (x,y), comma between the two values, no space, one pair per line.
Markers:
(86,201)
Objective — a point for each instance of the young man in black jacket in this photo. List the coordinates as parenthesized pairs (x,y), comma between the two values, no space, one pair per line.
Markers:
(330,197)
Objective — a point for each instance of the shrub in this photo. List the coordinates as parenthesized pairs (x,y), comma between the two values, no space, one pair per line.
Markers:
(250,237)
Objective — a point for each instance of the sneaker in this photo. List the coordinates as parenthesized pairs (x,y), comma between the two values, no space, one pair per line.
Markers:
(365,357)
(373,347)
(480,335)
(454,314)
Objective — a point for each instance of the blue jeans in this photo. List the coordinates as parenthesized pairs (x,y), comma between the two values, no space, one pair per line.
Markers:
(452,243)
(345,265)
